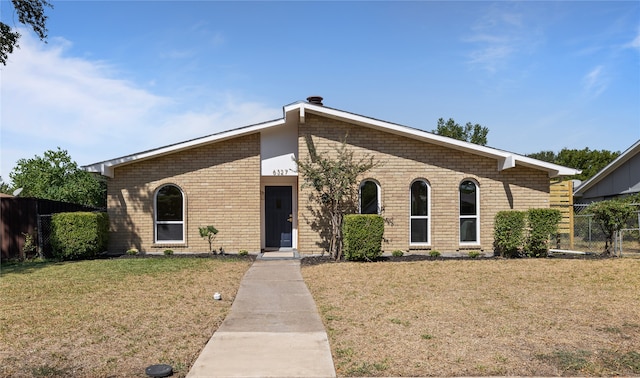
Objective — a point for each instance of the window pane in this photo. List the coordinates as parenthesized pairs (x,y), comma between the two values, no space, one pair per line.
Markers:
(419,198)
(419,230)
(169,204)
(468,230)
(369,198)
(169,232)
(468,198)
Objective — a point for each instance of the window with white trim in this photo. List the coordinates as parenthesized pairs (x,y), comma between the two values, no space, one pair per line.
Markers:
(369,197)
(169,215)
(420,220)
(469,215)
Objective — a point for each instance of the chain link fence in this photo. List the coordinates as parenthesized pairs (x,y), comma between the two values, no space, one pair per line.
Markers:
(44,235)
(588,236)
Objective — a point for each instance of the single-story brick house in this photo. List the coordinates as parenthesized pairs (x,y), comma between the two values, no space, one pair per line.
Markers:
(436,193)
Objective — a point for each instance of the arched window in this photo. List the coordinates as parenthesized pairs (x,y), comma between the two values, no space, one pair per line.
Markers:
(369,197)
(469,224)
(420,221)
(169,215)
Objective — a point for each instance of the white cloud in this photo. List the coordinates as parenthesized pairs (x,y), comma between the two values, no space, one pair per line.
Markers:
(52,99)
(635,43)
(497,36)
(595,81)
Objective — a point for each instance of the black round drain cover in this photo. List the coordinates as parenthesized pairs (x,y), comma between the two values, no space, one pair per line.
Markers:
(159,370)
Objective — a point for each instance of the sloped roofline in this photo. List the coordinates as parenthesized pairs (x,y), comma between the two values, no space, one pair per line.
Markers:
(604,172)
(505,159)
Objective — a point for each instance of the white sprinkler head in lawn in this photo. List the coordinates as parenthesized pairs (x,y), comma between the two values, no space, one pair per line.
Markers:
(217,296)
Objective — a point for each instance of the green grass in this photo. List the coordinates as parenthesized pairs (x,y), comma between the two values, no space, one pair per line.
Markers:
(111,317)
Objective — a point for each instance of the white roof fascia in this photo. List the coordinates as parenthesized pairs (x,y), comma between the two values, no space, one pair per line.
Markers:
(604,172)
(505,160)
(105,168)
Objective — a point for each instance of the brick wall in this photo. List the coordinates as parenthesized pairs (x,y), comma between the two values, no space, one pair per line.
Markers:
(405,160)
(221,183)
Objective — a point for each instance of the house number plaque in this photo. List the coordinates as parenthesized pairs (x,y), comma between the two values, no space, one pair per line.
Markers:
(280,172)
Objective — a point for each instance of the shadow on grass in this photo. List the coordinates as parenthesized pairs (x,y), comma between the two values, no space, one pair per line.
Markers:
(25,267)
(603,362)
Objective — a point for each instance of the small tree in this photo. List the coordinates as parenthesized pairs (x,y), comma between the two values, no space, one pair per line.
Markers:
(209,233)
(612,216)
(335,190)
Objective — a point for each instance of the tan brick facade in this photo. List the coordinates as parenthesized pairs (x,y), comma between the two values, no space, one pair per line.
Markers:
(405,160)
(221,184)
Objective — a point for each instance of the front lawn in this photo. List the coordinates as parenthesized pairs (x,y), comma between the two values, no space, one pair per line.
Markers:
(111,318)
(520,317)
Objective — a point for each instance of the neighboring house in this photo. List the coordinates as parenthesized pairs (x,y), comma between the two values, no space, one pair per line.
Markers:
(436,193)
(620,178)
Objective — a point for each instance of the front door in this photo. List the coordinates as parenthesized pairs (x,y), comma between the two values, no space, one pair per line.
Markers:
(278,216)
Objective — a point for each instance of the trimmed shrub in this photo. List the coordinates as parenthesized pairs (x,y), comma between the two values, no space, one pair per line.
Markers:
(362,236)
(168,252)
(508,232)
(79,235)
(475,254)
(397,253)
(434,253)
(543,223)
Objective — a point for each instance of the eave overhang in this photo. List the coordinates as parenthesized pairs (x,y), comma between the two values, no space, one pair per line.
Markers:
(504,159)
(106,168)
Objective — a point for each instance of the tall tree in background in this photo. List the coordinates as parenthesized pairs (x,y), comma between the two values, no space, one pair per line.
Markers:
(589,161)
(56,177)
(30,13)
(4,187)
(469,133)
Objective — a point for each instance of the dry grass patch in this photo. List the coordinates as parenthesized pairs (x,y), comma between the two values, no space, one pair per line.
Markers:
(545,317)
(111,318)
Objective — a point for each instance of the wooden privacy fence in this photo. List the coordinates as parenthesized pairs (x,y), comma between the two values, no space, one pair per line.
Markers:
(561,198)
(20,217)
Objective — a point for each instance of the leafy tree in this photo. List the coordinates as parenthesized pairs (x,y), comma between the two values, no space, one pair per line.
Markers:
(335,190)
(31,13)
(56,177)
(589,161)
(611,216)
(469,133)
(4,187)
(548,156)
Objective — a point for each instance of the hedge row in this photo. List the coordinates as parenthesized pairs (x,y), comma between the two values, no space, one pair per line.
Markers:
(518,233)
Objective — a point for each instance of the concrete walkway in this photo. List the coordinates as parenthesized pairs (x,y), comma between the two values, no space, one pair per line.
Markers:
(272,330)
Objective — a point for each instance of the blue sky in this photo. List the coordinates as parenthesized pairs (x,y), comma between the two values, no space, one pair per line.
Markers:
(119,77)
